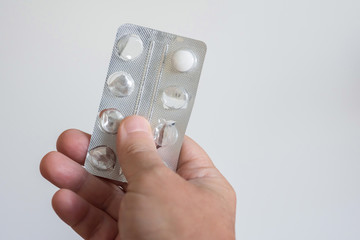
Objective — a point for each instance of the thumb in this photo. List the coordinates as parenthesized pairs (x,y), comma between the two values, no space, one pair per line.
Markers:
(135,147)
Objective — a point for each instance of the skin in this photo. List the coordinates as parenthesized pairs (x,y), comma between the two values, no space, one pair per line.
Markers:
(196,202)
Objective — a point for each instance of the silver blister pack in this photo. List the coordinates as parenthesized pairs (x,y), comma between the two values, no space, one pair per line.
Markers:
(153,74)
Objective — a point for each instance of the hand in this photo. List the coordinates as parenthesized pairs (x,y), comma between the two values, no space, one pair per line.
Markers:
(195,203)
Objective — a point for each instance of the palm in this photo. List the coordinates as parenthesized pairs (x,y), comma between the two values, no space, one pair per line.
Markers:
(91,206)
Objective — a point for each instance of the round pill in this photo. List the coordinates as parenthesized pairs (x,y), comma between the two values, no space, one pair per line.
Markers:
(120,84)
(183,60)
(109,120)
(102,158)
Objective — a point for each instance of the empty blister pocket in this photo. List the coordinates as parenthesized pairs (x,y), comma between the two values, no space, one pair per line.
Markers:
(153,74)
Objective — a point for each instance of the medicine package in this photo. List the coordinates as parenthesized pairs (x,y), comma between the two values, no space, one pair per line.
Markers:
(153,74)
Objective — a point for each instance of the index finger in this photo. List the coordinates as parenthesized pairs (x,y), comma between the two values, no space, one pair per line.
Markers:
(74,144)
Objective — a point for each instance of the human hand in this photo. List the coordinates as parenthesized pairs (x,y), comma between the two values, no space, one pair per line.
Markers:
(195,203)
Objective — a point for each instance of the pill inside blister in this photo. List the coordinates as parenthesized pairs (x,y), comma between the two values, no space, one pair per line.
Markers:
(109,120)
(175,98)
(165,133)
(129,47)
(183,60)
(102,158)
(120,84)
(153,74)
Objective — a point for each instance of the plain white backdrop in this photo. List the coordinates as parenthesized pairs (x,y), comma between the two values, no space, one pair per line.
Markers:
(278,106)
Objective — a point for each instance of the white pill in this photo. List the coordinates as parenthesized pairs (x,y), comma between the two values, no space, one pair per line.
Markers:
(183,60)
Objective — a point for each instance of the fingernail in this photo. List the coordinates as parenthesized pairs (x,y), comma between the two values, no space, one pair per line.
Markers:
(136,124)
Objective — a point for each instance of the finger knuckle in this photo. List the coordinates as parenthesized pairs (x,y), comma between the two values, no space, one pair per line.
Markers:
(152,175)
(136,148)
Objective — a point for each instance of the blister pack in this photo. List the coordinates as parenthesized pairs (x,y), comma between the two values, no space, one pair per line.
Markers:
(153,74)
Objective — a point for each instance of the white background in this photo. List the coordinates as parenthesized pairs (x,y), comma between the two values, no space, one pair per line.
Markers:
(278,107)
